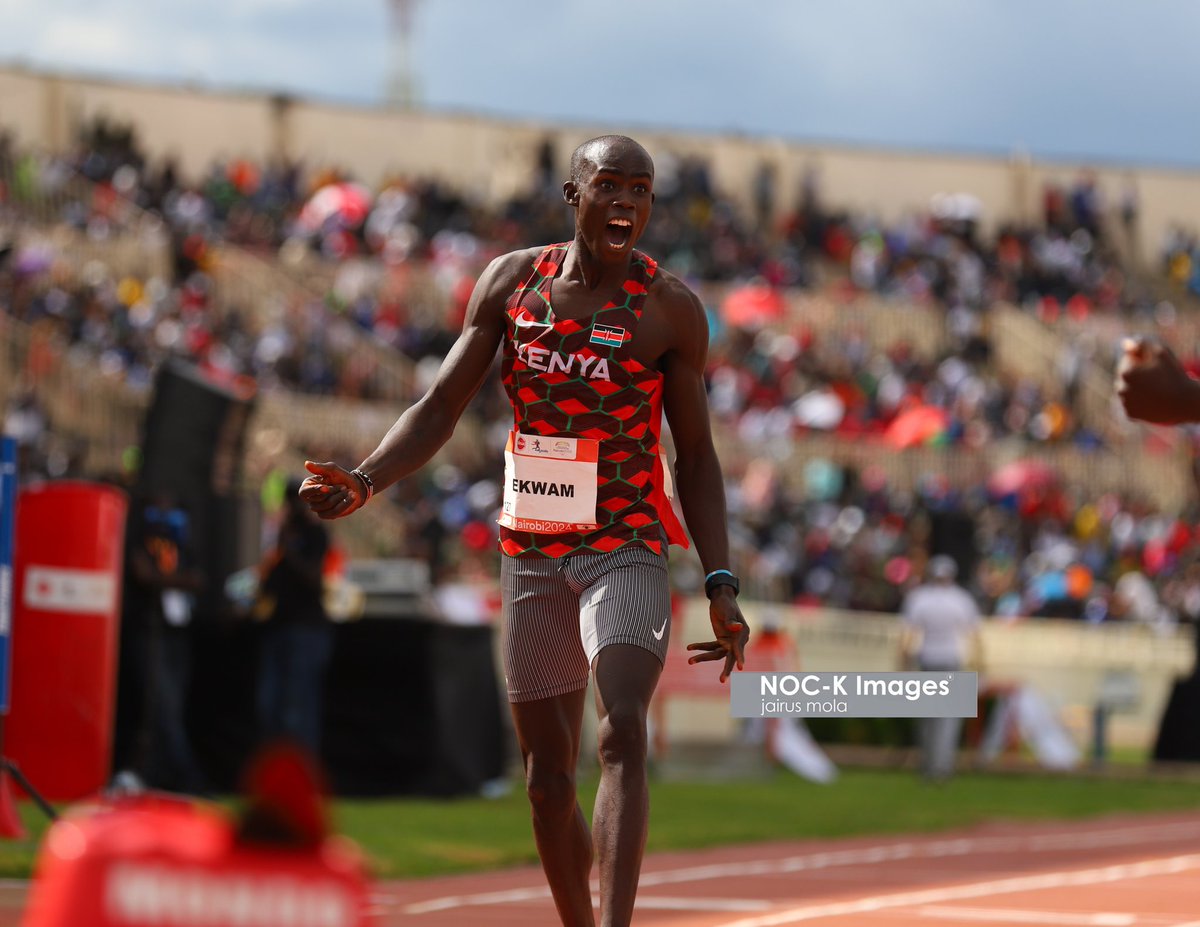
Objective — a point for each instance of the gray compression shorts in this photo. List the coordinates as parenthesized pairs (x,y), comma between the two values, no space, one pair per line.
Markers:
(558,614)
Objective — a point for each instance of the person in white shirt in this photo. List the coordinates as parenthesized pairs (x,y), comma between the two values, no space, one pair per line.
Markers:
(941,634)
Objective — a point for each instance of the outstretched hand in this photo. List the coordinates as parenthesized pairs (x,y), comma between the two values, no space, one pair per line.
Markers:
(332,491)
(730,630)
(1153,385)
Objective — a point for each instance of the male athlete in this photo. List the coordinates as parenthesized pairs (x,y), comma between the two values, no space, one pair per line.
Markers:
(597,343)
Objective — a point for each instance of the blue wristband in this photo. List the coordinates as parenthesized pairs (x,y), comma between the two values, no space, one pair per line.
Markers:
(717,573)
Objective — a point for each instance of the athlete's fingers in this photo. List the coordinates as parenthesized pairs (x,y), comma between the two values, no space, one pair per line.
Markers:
(319,493)
(739,651)
(343,505)
(1134,347)
(314,487)
(340,509)
(325,501)
(321,469)
(707,657)
(728,670)
(318,487)
(706,645)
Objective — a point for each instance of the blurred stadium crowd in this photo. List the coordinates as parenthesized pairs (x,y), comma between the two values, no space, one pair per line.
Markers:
(395,266)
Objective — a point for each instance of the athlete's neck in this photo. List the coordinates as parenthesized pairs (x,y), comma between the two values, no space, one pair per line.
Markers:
(585,268)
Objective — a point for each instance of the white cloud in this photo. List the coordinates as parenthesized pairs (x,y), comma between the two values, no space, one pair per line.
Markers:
(89,42)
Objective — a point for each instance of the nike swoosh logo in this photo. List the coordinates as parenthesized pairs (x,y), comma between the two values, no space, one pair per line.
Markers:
(522,322)
(659,633)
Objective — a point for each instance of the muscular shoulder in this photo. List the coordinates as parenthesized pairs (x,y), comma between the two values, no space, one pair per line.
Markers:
(496,284)
(681,319)
(675,300)
(505,272)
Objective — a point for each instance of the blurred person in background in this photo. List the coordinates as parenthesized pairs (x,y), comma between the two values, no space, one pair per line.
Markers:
(597,343)
(297,637)
(161,586)
(941,634)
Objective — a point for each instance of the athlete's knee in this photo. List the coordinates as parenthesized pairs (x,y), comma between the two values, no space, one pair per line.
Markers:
(551,789)
(621,736)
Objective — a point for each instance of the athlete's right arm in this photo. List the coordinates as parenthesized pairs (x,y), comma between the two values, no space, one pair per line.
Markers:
(332,491)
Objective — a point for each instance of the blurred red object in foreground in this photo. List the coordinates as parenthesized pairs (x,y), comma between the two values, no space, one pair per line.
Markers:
(157,859)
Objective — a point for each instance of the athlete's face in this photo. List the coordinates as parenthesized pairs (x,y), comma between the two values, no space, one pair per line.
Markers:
(612,200)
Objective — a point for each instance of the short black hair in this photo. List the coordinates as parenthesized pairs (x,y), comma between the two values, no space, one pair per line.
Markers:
(584,157)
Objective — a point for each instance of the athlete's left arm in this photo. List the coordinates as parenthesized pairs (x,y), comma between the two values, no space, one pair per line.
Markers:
(697,470)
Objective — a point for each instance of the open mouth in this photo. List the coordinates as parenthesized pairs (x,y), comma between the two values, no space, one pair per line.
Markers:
(618,232)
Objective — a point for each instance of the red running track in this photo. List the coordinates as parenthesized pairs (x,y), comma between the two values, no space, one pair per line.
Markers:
(1132,871)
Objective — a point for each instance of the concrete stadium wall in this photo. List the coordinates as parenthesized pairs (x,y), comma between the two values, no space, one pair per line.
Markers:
(494,157)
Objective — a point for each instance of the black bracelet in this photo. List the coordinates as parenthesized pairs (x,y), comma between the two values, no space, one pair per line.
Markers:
(366,481)
(720,578)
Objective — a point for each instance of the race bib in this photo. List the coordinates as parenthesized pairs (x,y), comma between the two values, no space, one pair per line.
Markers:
(549,484)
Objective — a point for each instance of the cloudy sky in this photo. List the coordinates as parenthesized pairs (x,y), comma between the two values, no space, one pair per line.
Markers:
(1111,80)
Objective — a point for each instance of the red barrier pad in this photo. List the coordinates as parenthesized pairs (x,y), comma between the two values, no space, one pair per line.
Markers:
(152,860)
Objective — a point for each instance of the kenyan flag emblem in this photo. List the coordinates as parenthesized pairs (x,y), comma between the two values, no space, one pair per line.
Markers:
(607,334)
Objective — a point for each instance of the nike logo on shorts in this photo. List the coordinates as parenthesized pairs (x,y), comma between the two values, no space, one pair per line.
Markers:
(659,633)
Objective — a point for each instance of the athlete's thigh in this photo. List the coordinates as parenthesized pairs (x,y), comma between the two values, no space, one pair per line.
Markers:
(542,653)
(626,599)
(548,729)
(626,676)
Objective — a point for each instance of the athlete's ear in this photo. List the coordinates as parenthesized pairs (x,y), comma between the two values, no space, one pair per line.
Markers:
(571,193)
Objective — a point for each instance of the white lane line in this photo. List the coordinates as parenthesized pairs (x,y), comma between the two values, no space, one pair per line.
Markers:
(1012,916)
(535,894)
(859,856)
(1111,838)
(484,898)
(652,903)
(1073,877)
(962,846)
